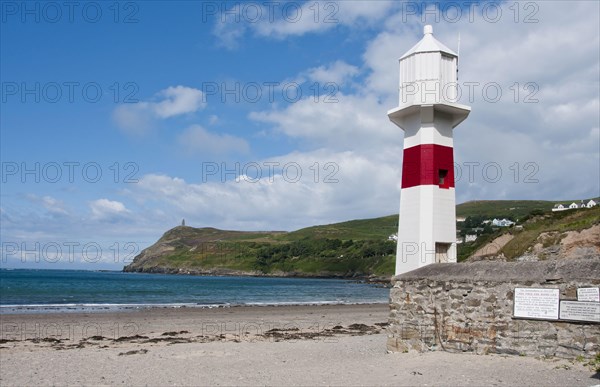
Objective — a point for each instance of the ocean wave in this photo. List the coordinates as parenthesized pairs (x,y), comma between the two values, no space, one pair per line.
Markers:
(105,307)
(101,307)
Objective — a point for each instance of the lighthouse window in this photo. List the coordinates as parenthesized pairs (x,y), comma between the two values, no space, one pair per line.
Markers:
(442,174)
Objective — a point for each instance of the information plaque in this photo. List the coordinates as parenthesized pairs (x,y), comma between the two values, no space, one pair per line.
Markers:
(580,311)
(588,294)
(536,303)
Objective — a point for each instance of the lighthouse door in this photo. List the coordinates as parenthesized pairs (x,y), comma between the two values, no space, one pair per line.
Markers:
(441,252)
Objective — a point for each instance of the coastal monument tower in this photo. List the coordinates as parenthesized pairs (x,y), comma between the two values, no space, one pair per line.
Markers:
(428,113)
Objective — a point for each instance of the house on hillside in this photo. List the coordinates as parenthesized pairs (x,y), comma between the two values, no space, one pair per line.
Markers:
(582,204)
(470,237)
(502,222)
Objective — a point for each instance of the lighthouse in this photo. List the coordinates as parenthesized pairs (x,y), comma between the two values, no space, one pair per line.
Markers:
(427,113)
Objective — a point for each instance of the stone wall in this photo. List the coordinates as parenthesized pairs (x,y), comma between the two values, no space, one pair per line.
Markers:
(468,307)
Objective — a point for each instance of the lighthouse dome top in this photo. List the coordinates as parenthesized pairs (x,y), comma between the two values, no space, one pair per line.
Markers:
(428,44)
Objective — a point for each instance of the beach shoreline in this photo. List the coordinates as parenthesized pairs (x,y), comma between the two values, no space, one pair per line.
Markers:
(209,321)
(245,345)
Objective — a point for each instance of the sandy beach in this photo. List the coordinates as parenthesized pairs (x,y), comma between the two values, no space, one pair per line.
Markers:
(291,345)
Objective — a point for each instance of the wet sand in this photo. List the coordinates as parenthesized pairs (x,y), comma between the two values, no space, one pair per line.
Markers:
(294,345)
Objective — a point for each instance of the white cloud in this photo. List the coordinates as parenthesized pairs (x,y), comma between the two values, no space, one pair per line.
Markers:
(137,118)
(104,209)
(196,139)
(345,122)
(178,100)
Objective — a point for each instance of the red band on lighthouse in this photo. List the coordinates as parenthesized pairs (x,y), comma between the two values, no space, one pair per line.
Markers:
(428,164)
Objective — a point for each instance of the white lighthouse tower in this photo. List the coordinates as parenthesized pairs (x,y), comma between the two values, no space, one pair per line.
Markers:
(427,112)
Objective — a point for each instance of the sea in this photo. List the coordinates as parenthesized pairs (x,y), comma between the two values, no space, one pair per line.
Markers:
(60,291)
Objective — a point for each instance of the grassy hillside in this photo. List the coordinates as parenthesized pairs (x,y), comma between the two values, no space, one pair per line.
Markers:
(502,208)
(532,227)
(347,249)
(377,228)
(353,248)
(508,208)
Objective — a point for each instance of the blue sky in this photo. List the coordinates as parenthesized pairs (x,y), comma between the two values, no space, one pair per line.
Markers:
(270,115)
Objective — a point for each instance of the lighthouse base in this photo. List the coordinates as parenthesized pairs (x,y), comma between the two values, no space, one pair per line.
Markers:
(426,228)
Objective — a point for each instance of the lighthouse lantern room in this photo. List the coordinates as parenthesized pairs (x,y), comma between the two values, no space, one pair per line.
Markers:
(428,113)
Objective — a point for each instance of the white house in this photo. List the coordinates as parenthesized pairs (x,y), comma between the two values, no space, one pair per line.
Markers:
(582,204)
(502,222)
(470,237)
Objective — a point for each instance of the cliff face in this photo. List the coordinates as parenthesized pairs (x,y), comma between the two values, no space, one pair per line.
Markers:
(565,245)
(175,251)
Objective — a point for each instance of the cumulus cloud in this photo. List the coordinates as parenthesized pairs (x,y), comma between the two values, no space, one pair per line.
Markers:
(346,122)
(137,118)
(104,209)
(178,100)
